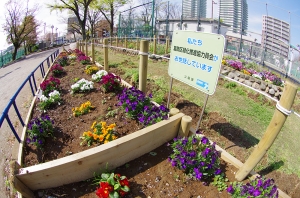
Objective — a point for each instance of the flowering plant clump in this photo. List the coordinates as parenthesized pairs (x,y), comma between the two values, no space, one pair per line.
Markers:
(83,109)
(98,76)
(72,56)
(153,114)
(47,102)
(63,61)
(57,70)
(99,133)
(196,156)
(235,64)
(269,77)
(49,85)
(259,187)
(110,82)
(78,53)
(133,101)
(38,129)
(82,86)
(112,185)
(91,69)
(83,59)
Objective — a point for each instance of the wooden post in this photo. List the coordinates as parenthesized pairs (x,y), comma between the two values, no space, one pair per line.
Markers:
(174,111)
(93,50)
(117,41)
(105,54)
(86,47)
(125,42)
(185,126)
(167,45)
(143,65)
(16,183)
(82,44)
(77,45)
(278,119)
(154,44)
(137,43)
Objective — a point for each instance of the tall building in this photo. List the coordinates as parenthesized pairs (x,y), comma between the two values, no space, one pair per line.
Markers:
(190,9)
(235,14)
(275,35)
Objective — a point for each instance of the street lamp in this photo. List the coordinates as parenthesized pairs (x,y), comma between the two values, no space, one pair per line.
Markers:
(52,34)
(56,36)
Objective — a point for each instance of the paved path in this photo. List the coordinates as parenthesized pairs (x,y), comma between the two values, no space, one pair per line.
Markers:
(11,77)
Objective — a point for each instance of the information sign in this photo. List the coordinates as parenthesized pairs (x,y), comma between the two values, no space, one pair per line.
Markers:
(196,59)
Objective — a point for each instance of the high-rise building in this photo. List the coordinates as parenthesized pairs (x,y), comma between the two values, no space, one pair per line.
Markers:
(235,14)
(191,9)
(275,35)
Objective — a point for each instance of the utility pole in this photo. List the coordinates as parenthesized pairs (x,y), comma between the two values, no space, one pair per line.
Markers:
(52,34)
(152,20)
(198,13)
(212,8)
(242,30)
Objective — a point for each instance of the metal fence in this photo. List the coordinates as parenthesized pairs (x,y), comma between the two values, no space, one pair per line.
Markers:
(33,86)
(269,59)
(6,57)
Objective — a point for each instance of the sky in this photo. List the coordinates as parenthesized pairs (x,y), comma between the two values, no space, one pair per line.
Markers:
(286,10)
(43,16)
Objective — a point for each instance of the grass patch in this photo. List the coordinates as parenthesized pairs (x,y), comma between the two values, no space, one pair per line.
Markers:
(232,102)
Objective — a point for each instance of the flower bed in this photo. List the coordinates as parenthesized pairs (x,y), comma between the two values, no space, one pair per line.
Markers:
(63,152)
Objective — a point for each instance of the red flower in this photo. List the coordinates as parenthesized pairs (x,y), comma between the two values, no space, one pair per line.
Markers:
(124,182)
(104,190)
(122,193)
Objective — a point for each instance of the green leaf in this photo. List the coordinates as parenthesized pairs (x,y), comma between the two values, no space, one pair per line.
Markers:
(111,181)
(117,186)
(125,188)
(104,176)
(114,194)
(123,177)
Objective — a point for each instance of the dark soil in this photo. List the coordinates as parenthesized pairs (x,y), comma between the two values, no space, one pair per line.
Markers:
(149,176)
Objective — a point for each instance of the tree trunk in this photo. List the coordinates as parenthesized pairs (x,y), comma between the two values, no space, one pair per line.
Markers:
(14,55)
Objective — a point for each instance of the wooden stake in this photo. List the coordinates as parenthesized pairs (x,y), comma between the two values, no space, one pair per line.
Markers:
(117,42)
(106,54)
(167,45)
(86,48)
(278,119)
(143,65)
(77,45)
(174,111)
(16,183)
(137,43)
(125,45)
(93,50)
(154,44)
(82,46)
(185,126)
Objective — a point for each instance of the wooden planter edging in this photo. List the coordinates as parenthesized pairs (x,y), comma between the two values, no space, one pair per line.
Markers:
(81,166)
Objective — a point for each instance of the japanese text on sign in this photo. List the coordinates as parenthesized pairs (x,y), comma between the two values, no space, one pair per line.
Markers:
(197,53)
(193,63)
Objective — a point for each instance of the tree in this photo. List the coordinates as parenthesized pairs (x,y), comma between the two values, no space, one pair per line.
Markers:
(94,16)
(78,7)
(31,38)
(109,8)
(18,23)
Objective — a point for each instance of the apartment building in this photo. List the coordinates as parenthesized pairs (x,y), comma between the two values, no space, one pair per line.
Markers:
(235,14)
(275,35)
(192,8)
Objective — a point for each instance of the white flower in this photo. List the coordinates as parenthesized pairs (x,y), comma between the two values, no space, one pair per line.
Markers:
(43,98)
(54,93)
(83,85)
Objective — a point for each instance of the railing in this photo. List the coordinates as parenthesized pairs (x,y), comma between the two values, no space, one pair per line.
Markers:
(33,87)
